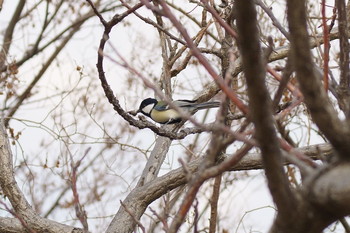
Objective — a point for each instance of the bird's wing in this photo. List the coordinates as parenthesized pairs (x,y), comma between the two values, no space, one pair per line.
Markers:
(185,103)
(161,106)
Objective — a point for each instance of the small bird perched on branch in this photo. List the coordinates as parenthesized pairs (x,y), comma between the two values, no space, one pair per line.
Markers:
(161,112)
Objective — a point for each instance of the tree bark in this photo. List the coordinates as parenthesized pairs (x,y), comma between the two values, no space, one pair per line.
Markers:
(24,212)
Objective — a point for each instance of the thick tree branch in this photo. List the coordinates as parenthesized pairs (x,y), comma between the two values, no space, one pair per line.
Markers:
(141,197)
(344,84)
(330,189)
(322,111)
(7,41)
(260,107)
(11,225)
(155,160)
(21,206)
(278,54)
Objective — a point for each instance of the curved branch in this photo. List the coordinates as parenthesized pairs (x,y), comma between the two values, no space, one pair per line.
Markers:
(330,195)
(24,212)
(322,111)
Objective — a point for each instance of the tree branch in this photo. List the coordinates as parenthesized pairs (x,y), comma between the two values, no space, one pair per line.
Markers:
(40,74)
(322,111)
(11,225)
(7,41)
(260,108)
(329,189)
(138,200)
(344,84)
(14,194)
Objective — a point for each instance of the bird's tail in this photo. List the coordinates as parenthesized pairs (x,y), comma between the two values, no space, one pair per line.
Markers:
(205,105)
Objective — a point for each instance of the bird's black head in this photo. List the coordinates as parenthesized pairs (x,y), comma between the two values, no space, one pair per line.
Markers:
(147,105)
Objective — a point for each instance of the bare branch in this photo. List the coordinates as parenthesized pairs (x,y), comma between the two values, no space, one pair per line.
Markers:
(138,200)
(261,107)
(323,113)
(79,208)
(273,18)
(202,176)
(332,196)
(7,41)
(135,219)
(164,222)
(10,225)
(214,204)
(53,56)
(155,161)
(23,223)
(14,194)
(344,84)
(219,81)
(326,46)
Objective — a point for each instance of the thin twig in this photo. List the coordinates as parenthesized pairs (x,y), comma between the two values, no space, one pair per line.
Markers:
(184,115)
(133,217)
(79,209)
(214,204)
(160,218)
(21,220)
(326,45)
(199,180)
(274,20)
(221,83)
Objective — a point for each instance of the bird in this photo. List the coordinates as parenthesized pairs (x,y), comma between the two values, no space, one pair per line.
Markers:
(161,112)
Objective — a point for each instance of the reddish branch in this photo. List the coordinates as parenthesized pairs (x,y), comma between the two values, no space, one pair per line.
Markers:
(316,99)
(161,219)
(199,179)
(326,45)
(14,214)
(154,24)
(196,52)
(109,92)
(18,201)
(292,88)
(79,209)
(217,17)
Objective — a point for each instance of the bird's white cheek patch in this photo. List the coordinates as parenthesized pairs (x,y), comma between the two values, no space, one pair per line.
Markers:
(147,109)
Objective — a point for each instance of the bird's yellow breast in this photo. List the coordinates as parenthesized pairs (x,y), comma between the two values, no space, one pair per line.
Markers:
(164,116)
